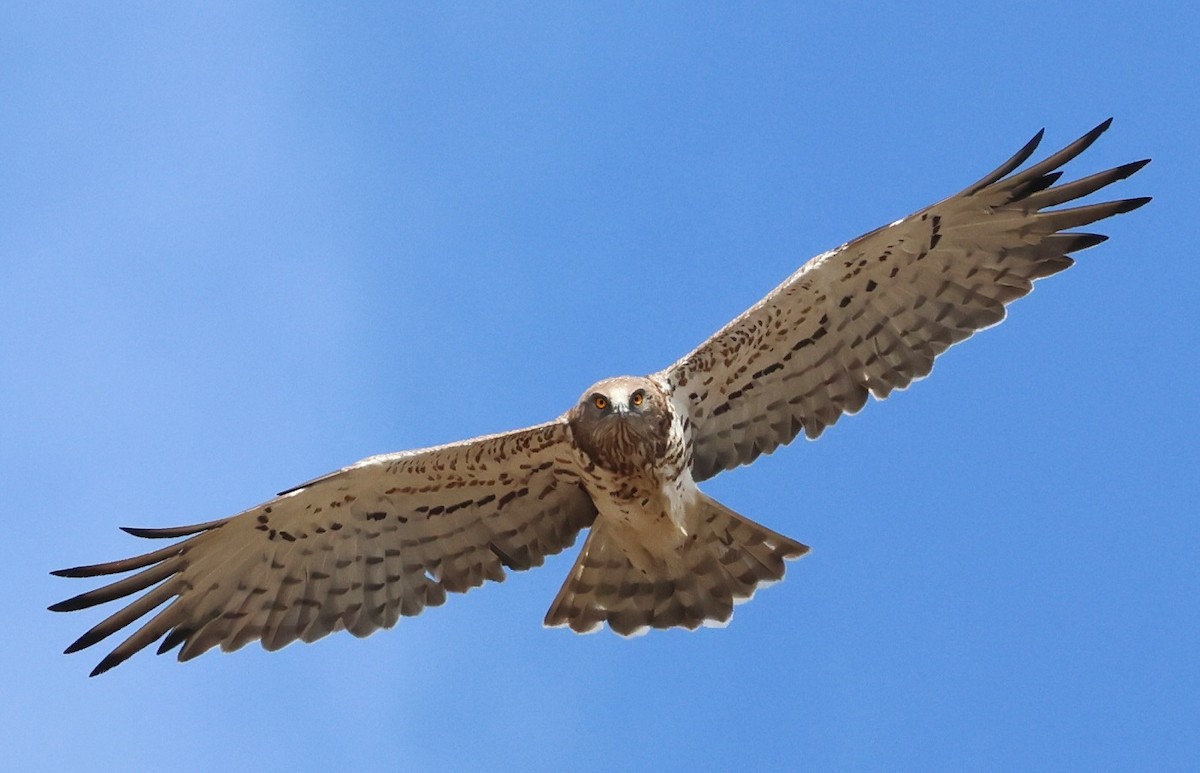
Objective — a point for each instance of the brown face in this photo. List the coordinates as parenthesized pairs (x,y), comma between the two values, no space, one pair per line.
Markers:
(622,423)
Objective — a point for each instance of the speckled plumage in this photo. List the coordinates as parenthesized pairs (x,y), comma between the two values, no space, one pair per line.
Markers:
(390,535)
(661,554)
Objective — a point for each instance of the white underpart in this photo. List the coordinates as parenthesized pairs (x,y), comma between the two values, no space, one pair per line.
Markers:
(681,495)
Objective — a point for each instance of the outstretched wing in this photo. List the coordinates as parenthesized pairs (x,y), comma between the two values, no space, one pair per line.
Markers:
(872,315)
(355,549)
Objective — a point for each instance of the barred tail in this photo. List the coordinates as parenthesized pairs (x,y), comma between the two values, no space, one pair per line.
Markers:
(723,563)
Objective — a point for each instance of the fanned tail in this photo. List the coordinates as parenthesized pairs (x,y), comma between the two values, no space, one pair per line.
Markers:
(722,564)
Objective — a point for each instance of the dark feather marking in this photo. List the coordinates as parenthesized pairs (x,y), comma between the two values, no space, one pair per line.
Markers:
(174,531)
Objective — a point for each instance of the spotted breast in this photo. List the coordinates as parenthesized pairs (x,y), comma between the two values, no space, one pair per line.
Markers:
(660,553)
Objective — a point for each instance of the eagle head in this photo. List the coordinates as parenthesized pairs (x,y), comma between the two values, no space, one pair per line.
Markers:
(622,423)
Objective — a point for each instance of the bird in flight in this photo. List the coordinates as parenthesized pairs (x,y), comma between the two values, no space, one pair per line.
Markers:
(390,535)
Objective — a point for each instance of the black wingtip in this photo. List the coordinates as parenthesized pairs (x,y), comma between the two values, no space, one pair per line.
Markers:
(1094,134)
(173,639)
(1084,241)
(83,642)
(74,604)
(1018,158)
(1030,147)
(108,663)
(1128,205)
(1128,170)
(174,532)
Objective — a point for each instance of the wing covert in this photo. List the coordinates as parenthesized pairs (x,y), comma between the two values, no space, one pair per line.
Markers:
(354,550)
(872,315)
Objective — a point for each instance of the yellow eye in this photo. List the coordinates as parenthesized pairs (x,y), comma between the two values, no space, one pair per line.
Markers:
(638,398)
(600,401)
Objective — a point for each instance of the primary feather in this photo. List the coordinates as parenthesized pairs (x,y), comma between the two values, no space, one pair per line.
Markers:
(872,315)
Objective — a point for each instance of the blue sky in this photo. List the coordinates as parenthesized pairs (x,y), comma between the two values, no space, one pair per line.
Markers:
(245,244)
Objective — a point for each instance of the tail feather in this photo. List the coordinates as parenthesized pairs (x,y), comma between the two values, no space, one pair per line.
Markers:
(722,564)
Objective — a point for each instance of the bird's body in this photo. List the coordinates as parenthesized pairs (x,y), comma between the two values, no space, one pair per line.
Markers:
(391,535)
(660,553)
(635,465)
